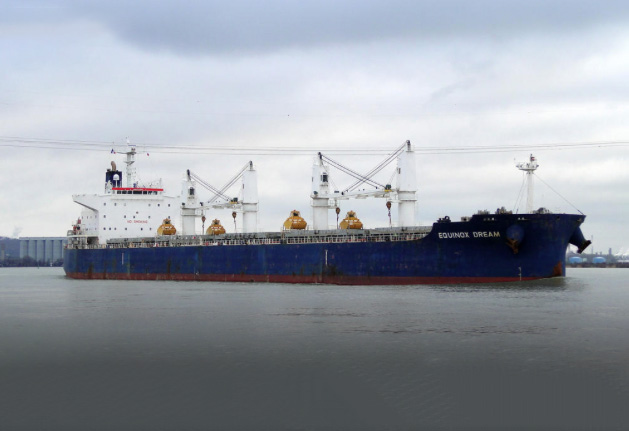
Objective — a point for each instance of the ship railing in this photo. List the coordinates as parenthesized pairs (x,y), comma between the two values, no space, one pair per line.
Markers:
(325,237)
(88,246)
(306,239)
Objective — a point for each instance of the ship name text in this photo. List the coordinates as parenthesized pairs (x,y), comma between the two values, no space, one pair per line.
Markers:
(462,235)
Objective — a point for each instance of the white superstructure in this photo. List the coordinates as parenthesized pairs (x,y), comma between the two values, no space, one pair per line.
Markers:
(123,211)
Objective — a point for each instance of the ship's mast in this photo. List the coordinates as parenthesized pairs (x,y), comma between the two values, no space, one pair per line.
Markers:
(250,200)
(320,194)
(407,186)
(130,167)
(529,167)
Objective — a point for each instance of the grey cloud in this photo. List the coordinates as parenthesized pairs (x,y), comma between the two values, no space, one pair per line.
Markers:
(198,27)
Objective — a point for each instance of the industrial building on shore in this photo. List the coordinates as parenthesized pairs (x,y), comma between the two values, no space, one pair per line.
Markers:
(32,251)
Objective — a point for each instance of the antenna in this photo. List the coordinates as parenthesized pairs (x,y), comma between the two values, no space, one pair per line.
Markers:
(529,167)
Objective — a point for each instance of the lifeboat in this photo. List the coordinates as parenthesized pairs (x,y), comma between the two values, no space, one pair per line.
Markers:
(295,221)
(166,228)
(216,228)
(351,221)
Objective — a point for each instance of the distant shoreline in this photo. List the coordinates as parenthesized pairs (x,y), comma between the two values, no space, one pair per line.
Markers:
(597,265)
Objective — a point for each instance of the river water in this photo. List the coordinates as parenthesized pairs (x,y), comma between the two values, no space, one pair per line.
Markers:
(157,355)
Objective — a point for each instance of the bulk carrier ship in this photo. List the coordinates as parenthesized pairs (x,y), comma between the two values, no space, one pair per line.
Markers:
(135,231)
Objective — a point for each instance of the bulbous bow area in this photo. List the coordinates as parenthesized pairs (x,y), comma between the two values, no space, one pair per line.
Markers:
(578,240)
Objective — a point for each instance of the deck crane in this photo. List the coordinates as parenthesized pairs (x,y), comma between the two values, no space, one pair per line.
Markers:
(404,194)
(248,204)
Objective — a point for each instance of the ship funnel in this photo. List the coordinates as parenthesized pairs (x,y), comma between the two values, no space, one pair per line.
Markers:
(113,178)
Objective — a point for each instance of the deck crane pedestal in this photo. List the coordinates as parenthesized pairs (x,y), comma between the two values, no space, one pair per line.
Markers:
(191,209)
(404,194)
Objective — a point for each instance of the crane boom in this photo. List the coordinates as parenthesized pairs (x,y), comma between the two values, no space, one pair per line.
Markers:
(364,178)
(219,193)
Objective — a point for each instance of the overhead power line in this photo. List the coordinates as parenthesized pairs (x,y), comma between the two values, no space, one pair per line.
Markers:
(85,145)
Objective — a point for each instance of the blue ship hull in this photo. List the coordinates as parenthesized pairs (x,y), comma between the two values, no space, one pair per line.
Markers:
(487,248)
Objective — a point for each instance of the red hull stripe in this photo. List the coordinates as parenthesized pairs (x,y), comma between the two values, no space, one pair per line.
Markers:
(349,280)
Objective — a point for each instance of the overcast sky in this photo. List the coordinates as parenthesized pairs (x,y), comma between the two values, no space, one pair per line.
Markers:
(509,75)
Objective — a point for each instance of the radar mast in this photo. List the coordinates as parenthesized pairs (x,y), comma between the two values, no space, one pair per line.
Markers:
(529,167)
(131,182)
